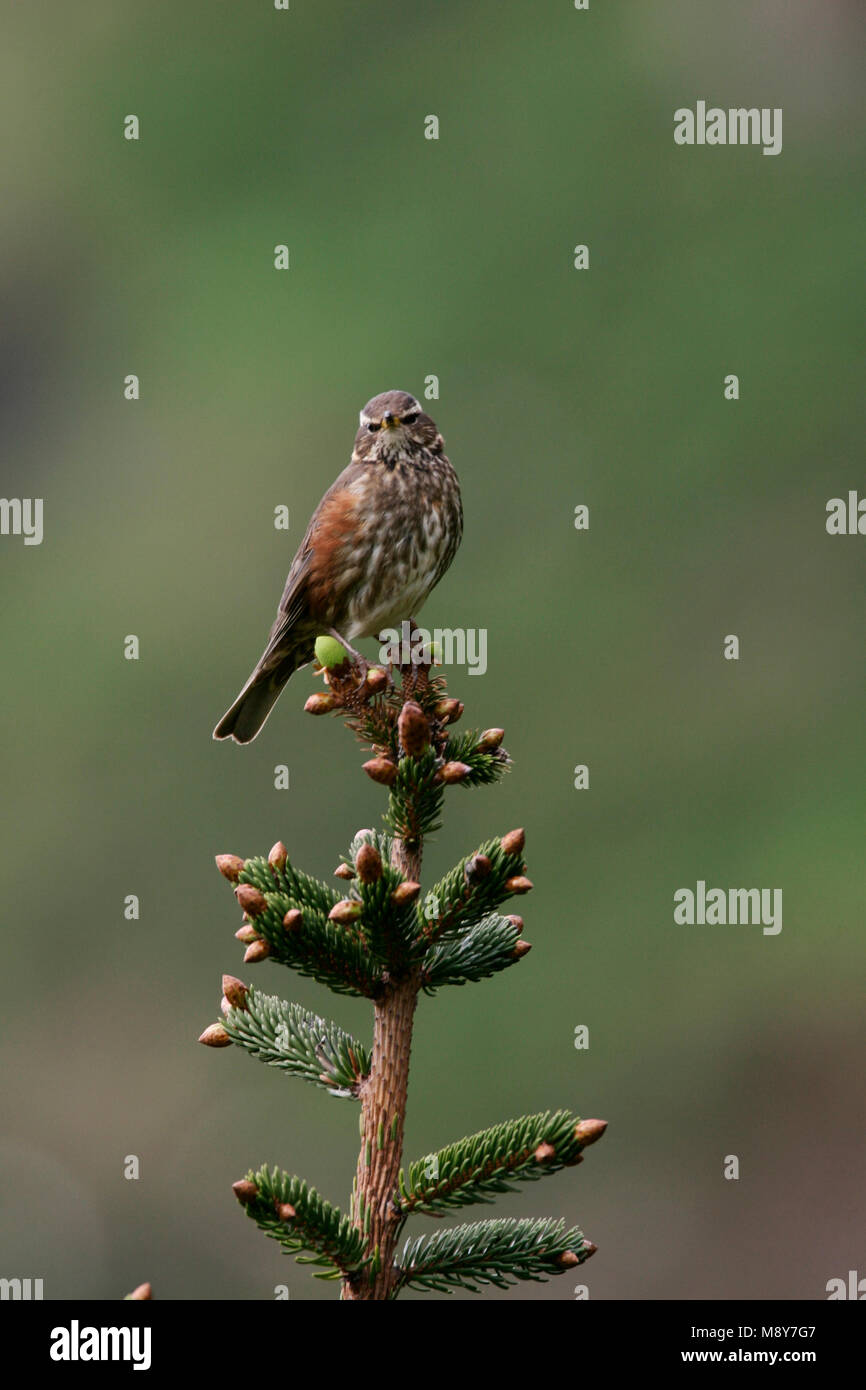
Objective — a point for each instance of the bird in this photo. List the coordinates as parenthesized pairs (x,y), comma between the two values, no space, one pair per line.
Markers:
(378,543)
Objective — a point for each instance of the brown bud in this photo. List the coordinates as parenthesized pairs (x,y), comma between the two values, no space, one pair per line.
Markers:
(381,770)
(587,1132)
(259,950)
(544,1153)
(225,1007)
(376,680)
(292,919)
(321,703)
(588,1249)
(516,921)
(405,892)
(568,1259)
(285,1211)
(215,1036)
(344,871)
(245,1191)
(235,991)
(368,862)
(448,710)
(513,842)
(413,728)
(278,855)
(143,1291)
(230,866)
(345,911)
(453,772)
(519,884)
(251,900)
(521,948)
(477,868)
(247,933)
(490,739)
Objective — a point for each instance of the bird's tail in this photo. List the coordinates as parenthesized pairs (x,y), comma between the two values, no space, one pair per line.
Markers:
(251,708)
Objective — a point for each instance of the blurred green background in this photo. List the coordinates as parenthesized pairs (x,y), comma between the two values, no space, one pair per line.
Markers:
(557,387)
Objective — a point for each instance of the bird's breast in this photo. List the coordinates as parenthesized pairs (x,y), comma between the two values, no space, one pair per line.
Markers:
(405,528)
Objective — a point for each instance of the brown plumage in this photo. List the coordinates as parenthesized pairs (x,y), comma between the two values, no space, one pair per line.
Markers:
(381,538)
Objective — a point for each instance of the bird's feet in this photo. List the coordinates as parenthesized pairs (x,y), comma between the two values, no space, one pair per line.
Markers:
(359,659)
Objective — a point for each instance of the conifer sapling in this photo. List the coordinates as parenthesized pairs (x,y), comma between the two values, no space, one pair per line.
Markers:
(376,936)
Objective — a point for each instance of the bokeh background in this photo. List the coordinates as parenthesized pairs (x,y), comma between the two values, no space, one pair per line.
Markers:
(557,387)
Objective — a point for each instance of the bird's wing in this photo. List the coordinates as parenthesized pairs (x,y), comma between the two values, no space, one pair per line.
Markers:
(295,599)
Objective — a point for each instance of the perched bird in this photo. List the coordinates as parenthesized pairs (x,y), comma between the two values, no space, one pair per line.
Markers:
(381,538)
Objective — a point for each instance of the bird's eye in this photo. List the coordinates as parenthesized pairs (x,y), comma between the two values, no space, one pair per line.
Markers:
(373,428)
(409,419)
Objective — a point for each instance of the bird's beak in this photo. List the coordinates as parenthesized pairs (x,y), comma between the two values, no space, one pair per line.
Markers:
(391,421)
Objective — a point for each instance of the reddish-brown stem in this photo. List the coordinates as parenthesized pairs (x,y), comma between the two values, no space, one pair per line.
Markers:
(383,1106)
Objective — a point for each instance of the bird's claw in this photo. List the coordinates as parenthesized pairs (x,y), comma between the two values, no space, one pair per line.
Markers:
(359,659)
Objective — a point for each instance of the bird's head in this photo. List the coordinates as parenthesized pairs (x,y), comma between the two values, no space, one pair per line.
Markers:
(393,424)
